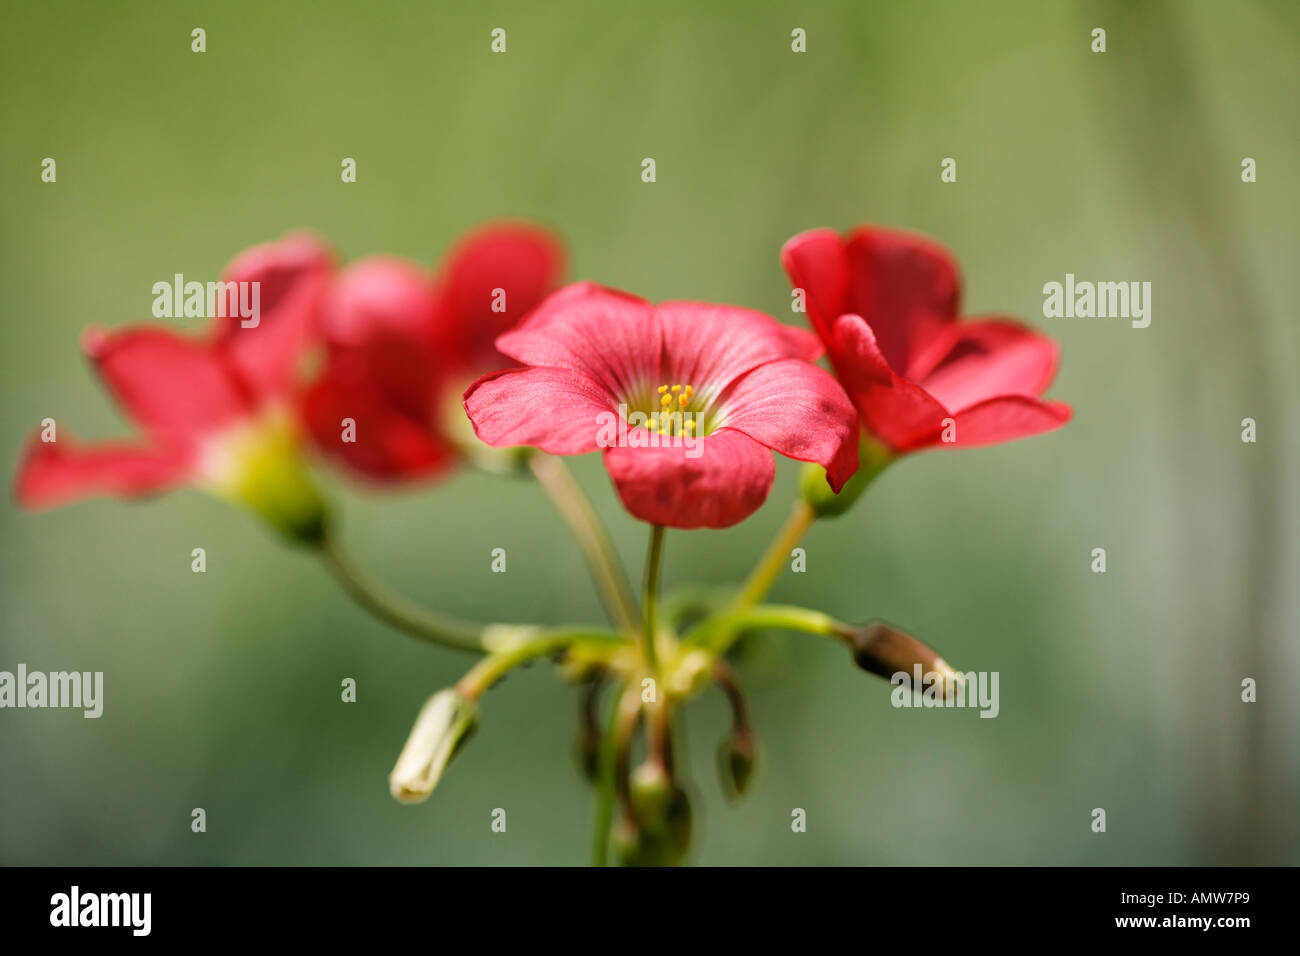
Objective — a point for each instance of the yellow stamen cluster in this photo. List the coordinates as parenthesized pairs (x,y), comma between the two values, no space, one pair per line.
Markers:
(674,402)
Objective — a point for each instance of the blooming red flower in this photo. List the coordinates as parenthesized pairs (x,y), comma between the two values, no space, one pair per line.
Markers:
(403,343)
(687,400)
(216,413)
(886,303)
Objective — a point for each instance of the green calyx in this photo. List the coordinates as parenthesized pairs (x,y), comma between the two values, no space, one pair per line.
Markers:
(873,458)
(259,466)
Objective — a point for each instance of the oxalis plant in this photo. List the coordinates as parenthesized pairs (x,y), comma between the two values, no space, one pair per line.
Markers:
(487,362)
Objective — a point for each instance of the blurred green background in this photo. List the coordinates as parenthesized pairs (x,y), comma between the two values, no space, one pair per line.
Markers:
(1118,691)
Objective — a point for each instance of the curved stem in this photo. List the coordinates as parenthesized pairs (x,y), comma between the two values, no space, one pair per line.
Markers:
(659,731)
(397,611)
(778,553)
(717,634)
(729,684)
(692,603)
(536,643)
(650,596)
(589,728)
(574,506)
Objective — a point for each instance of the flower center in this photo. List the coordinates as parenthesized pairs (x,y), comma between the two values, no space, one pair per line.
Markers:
(675,416)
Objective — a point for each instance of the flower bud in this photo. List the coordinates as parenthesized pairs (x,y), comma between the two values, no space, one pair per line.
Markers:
(665,845)
(679,826)
(628,843)
(736,758)
(885,651)
(444,724)
(650,791)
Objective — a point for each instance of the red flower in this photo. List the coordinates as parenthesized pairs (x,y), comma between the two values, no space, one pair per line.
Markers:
(402,344)
(214,413)
(687,400)
(886,304)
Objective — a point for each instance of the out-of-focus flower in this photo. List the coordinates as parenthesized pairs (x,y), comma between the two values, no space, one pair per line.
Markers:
(886,304)
(402,343)
(687,401)
(217,414)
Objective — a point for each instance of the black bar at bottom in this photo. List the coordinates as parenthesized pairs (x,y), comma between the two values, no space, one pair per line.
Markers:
(431,907)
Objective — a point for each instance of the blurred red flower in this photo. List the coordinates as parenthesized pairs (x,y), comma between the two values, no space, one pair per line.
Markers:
(215,412)
(402,343)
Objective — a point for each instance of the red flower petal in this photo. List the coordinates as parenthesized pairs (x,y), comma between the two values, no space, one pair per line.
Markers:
(908,289)
(608,336)
(389,445)
(379,327)
(898,412)
(292,275)
(886,302)
(555,409)
(380,297)
(991,358)
(709,346)
(177,389)
(52,473)
(723,486)
(398,339)
(1007,417)
(815,262)
(526,262)
(799,410)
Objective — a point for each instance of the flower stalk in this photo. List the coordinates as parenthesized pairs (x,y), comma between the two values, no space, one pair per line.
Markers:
(650,598)
(739,752)
(517,645)
(624,710)
(418,622)
(602,560)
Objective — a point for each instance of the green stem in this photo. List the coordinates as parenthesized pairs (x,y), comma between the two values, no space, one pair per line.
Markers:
(492,668)
(717,634)
(577,511)
(650,596)
(778,553)
(692,603)
(397,611)
(622,717)
(818,501)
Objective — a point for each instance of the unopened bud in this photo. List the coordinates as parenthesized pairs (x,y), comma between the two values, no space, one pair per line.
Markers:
(628,844)
(679,826)
(886,651)
(736,757)
(650,790)
(665,845)
(444,724)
